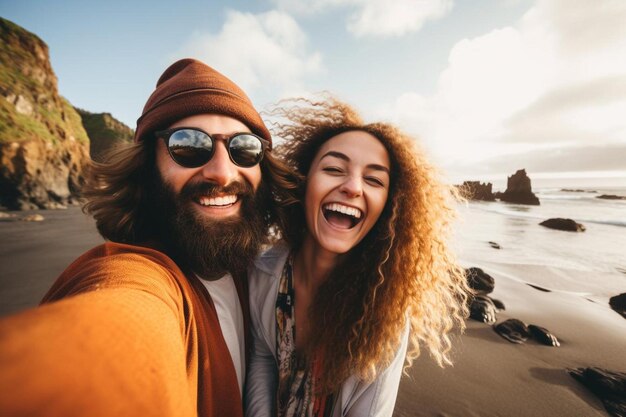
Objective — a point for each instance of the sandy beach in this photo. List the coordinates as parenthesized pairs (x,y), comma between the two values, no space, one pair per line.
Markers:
(33,254)
(493,377)
(490,376)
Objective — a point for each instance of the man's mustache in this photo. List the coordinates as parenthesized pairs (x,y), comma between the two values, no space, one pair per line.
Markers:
(211,189)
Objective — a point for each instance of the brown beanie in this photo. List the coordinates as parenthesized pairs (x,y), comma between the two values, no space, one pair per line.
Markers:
(191,87)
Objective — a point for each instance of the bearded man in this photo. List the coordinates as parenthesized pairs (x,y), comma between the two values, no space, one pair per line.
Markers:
(154,321)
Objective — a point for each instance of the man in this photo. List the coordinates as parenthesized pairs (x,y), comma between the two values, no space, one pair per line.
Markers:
(153,322)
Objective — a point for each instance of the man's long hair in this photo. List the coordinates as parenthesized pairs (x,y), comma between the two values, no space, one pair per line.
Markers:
(117,193)
(403,269)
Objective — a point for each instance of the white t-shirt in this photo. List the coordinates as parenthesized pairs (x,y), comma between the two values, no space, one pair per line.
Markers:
(224,295)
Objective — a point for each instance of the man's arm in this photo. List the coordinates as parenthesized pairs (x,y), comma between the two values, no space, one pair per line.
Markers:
(116,348)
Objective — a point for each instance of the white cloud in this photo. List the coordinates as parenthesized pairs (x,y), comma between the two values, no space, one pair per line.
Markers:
(395,18)
(308,7)
(266,54)
(555,79)
(381,18)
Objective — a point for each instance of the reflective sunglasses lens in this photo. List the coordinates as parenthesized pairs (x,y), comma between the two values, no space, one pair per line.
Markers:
(246,150)
(190,148)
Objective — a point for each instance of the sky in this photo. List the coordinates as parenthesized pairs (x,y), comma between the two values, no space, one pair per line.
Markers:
(486,86)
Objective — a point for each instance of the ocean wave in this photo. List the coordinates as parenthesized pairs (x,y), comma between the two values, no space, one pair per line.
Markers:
(608,222)
(564,197)
(536,216)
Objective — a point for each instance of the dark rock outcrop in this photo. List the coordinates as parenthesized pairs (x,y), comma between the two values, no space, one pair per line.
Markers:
(567,225)
(499,304)
(611,197)
(475,190)
(480,281)
(513,330)
(494,245)
(618,303)
(609,386)
(105,133)
(519,190)
(483,309)
(542,335)
(516,331)
(43,146)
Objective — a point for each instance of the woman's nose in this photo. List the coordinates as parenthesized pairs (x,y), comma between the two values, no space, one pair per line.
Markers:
(352,187)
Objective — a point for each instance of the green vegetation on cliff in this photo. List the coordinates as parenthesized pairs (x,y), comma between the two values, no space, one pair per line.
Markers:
(44,149)
(30,105)
(105,132)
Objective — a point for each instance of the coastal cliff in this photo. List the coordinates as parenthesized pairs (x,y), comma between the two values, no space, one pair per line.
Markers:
(105,133)
(44,148)
(45,143)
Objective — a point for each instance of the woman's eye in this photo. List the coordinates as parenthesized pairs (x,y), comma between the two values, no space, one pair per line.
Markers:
(375,181)
(333,170)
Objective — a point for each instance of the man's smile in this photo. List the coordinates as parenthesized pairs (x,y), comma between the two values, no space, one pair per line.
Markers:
(222,201)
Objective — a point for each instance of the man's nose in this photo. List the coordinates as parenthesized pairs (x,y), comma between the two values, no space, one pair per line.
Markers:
(352,187)
(220,169)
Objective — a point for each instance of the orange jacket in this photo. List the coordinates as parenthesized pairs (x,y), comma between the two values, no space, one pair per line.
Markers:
(122,332)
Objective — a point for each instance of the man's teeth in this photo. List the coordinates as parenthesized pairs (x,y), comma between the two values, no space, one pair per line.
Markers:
(218,201)
(340,208)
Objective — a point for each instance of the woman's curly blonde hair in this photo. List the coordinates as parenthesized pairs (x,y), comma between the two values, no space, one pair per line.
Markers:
(404,267)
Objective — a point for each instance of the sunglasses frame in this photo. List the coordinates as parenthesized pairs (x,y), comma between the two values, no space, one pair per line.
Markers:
(167,134)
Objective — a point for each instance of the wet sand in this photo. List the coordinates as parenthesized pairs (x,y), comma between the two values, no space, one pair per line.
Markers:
(490,376)
(493,377)
(33,254)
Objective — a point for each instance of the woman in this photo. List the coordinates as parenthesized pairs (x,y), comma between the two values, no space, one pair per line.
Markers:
(366,261)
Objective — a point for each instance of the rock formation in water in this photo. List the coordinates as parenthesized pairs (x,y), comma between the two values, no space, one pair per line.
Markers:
(519,190)
(611,197)
(476,190)
(618,303)
(105,133)
(567,225)
(43,145)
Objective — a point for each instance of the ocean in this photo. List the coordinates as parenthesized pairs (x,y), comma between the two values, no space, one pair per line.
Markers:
(591,263)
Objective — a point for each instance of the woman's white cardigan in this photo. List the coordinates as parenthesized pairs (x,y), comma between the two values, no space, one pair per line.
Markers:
(355,398)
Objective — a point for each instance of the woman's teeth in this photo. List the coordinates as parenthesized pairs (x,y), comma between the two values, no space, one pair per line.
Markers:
(340,208)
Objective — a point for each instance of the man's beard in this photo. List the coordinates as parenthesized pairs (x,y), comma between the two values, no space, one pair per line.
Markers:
(208,246)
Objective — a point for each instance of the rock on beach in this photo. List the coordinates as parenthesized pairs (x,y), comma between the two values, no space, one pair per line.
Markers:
(567,225)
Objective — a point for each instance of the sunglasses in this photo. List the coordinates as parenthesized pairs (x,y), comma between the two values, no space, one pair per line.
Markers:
(191,147)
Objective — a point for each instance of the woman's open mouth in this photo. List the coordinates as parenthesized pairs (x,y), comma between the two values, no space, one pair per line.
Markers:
(341,216)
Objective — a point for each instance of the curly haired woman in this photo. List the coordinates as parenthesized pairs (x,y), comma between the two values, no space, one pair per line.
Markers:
(366,274)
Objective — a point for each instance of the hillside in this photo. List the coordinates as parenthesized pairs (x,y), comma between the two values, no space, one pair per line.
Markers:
(44,149)
(105,133)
